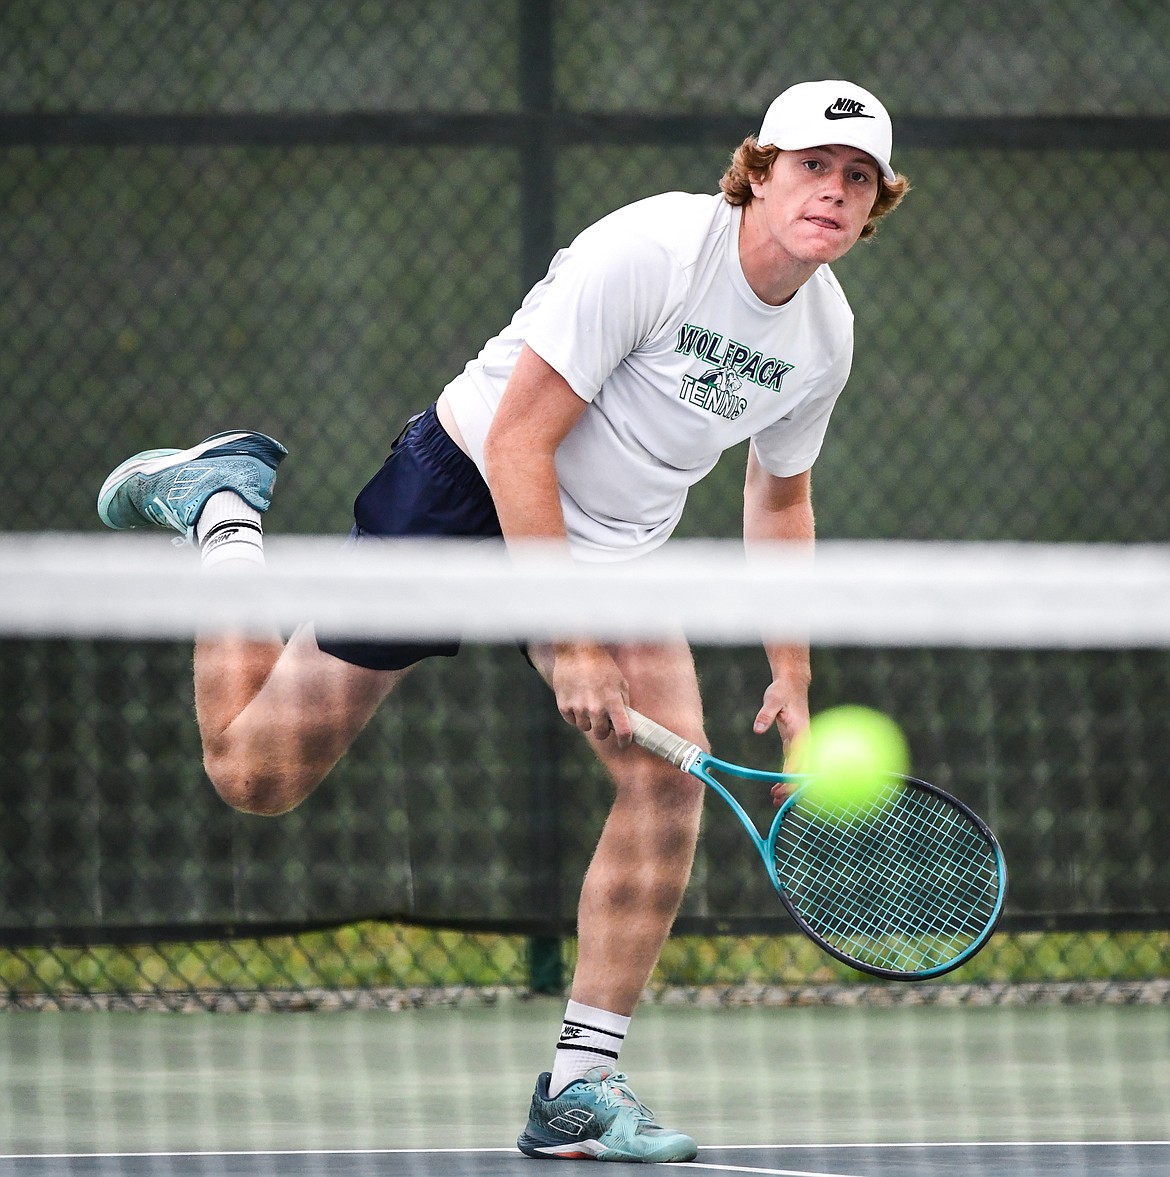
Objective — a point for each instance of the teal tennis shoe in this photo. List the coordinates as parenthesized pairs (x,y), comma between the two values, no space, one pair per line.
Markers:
(599,1118)
(167,488)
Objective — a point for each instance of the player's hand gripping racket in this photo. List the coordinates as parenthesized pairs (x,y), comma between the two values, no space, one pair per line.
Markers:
(908,887)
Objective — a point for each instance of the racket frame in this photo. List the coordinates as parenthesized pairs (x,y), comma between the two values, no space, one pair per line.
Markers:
(691,759)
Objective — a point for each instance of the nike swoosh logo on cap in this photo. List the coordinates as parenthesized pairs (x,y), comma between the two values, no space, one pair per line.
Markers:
(833,115)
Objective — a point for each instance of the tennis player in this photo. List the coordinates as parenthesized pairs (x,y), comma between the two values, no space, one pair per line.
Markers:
(667,332)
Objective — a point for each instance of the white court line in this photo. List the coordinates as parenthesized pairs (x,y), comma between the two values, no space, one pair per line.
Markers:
(240,1152)
(747,1169)
(900,1145)
(951,1144)
(320,1152)
(873,1147)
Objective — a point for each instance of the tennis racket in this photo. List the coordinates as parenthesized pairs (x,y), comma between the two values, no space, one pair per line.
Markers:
(906,888)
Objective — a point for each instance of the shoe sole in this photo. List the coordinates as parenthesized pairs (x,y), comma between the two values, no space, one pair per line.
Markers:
(155,461)
(594,1150)
(581,1150)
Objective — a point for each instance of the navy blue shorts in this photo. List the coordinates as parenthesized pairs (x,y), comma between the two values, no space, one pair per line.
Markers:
(427,487)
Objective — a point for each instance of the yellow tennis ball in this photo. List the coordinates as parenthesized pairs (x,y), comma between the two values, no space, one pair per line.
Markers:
(850,753)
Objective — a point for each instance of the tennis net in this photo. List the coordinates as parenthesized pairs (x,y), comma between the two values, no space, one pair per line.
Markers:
(440,861)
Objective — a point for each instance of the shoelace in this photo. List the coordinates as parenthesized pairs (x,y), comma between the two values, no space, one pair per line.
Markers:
(166,516)
(615,1093)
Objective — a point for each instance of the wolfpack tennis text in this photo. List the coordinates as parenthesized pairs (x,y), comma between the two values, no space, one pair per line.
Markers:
(716,390)
(731,356)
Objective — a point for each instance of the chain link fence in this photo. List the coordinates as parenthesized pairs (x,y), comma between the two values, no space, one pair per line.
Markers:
(305,218)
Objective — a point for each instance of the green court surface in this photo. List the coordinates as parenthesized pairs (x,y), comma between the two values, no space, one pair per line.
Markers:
(791,1080)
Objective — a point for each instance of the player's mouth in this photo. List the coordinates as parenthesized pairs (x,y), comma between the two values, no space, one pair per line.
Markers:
(824,222)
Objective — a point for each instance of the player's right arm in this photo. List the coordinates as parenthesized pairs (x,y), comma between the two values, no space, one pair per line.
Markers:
(536,413)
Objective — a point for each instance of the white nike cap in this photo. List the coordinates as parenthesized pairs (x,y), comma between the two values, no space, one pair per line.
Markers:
(815,114)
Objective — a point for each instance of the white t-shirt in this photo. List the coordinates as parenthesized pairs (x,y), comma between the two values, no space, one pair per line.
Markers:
(648,316)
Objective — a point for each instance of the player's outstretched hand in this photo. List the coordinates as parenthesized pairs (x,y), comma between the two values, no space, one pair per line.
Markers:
(785,706)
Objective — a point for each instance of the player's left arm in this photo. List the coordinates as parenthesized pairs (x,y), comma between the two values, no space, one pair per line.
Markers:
(779,510)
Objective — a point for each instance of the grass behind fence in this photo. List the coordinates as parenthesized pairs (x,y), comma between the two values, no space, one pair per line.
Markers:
(373,955)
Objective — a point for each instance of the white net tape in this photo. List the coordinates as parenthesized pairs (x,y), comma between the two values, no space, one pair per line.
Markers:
(849,593)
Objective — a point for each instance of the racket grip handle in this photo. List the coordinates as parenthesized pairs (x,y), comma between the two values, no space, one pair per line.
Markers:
(661,741)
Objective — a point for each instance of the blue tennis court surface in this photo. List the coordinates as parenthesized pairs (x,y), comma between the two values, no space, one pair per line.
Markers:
(833,1092)
(1039,1159)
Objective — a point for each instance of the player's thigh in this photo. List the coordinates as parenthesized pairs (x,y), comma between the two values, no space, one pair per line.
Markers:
(663,684)
(320,701)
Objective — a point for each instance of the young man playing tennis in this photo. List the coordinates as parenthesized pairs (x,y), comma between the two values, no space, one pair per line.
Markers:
(667,332)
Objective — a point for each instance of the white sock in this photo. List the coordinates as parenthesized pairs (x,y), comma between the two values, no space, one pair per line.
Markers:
(589,1038)
(229,529)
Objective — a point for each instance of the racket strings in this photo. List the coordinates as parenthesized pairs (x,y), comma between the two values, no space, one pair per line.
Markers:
(907,885)
(940,926)
(909,942)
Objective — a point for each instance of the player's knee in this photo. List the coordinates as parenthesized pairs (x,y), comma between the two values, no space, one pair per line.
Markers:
(246,788)
(674,796)
(665,807)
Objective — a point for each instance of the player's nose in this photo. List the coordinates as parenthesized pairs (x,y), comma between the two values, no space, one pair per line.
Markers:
(833,187)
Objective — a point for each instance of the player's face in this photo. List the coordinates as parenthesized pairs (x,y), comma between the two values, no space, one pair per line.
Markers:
(816,202)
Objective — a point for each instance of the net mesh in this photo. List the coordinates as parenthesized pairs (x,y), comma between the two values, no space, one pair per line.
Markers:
(445,851)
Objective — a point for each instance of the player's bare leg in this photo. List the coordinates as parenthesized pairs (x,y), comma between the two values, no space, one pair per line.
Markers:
(628,902)
(640,869)
(642,863)
(274,719)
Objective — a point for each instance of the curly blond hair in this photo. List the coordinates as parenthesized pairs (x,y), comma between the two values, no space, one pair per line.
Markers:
(751,162)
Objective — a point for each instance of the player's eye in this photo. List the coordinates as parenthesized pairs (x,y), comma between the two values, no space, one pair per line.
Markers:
(812,164)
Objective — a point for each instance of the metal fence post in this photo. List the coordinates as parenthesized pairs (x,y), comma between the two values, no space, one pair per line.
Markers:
(538,213)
